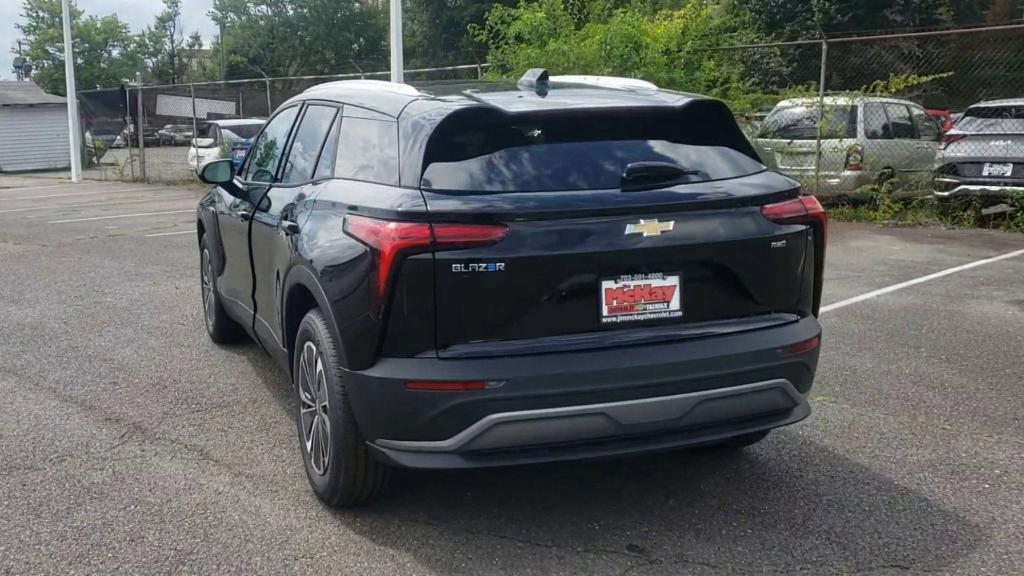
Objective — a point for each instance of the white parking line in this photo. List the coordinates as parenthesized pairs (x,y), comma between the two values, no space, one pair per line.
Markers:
(107,191)
(170,233)
(63,206)
(23,188)
(121,216)
(907,284)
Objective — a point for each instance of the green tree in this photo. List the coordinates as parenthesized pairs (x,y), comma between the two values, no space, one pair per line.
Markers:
(300,37)
(169,54)
(105,51)
(668,47)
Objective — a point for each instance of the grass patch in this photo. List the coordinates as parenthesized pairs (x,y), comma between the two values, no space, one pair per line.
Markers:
(882,205)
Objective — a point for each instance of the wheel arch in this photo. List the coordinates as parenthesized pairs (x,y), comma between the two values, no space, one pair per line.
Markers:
(302,292)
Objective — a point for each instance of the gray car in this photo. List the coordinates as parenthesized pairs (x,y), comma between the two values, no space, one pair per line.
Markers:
(984,152)
(864,140)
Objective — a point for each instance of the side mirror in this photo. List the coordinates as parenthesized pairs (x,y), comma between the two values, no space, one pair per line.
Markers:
(222,173)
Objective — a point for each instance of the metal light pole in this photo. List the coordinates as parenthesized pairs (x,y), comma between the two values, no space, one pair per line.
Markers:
(397,56)
(74,127)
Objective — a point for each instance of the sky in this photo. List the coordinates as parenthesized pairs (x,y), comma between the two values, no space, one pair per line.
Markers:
(136,13)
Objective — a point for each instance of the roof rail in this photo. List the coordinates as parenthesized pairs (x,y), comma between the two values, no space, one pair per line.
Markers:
(395,87)
(615,82)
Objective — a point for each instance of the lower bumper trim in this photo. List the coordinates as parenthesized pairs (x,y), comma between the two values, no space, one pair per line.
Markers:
(596,430)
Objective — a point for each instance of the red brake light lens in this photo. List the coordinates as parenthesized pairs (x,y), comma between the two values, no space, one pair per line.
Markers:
(393,240)
(802,210)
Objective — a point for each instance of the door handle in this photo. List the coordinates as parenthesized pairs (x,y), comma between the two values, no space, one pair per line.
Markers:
(245,216)
(288,227)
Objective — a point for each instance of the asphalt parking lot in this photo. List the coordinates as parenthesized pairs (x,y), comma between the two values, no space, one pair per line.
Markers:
(131,444)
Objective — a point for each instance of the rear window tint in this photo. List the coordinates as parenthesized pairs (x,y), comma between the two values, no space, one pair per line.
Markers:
(487,151)
(581,166)
(993,120)
(801,122)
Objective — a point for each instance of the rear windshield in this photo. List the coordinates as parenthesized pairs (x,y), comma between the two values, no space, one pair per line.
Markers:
(241,131)
(801,122)
(993,120)
(579,152)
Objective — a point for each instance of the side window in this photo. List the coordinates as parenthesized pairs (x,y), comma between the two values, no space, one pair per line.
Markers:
(308,141)
(876,123)
(325,167)
(265,156)
(927,129)
(368,151)
(902,125)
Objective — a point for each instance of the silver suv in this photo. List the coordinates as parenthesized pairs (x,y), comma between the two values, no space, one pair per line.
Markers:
(864,140)
(984,152)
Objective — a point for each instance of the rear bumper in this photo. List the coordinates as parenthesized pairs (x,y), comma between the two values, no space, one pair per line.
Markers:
(576,405)
(951,186)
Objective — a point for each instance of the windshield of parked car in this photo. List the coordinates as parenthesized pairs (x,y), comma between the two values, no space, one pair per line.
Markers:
(582,151)
(993,120)
(802,122)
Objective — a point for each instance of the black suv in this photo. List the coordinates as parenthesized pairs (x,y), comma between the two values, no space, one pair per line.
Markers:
(487,274)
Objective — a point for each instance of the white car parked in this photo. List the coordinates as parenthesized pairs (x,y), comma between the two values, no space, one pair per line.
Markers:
(216,137)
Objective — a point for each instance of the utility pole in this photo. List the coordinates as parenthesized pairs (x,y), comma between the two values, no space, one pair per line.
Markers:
(397,55)
(223,67)
(74,128)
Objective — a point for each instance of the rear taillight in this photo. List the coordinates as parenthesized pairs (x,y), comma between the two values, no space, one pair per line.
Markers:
(948,139)
(805,210)
(392,240)
(855,157)
(802,210)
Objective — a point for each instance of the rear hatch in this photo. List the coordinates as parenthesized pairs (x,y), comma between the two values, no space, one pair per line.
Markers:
(986,144)
(591,258)
(788,138)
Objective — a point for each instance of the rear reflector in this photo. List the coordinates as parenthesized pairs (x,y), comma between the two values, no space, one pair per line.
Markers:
(800,347)
(446,386)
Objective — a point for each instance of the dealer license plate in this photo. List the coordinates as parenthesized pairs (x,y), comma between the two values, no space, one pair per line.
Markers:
(640,297)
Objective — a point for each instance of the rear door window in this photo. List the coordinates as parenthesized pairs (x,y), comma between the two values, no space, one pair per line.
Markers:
(307,144)
(901,122)
(876,123)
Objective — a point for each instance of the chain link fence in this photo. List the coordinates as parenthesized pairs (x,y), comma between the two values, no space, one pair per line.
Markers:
(910,114)
(936,111)
(163,133)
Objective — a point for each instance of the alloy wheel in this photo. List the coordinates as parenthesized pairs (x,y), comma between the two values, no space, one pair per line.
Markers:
(208,296)
(313,409)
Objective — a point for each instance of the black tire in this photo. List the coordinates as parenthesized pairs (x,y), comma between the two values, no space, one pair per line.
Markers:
(221,328)
(342,473)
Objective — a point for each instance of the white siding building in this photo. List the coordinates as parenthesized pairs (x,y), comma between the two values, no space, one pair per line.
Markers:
(33,128)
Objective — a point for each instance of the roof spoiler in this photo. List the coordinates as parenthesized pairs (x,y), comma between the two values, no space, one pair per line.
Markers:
(535,79)
(615,82)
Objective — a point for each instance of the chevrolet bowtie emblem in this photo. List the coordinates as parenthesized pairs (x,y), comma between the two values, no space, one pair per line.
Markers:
(650,227)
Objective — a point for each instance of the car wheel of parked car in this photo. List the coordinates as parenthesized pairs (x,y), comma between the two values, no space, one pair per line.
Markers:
(885,175)
(339,466)
(219,326)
